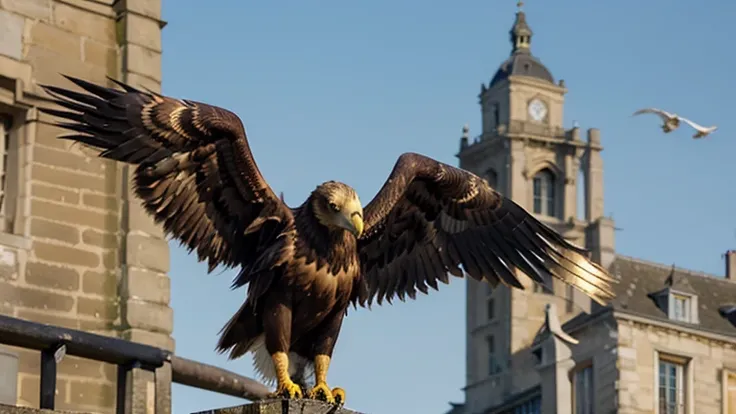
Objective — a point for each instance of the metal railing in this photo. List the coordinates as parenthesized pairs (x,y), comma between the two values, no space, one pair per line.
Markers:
(136,362)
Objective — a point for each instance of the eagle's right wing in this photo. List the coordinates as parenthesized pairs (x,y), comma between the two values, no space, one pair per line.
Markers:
(194,169)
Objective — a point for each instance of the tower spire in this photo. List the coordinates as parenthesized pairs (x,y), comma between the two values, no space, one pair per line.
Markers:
(521,33)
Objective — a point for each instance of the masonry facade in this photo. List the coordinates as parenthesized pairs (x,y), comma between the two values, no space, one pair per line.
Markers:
(661,347)
(76,249)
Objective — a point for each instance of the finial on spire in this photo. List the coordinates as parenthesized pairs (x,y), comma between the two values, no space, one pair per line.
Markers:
(521,33)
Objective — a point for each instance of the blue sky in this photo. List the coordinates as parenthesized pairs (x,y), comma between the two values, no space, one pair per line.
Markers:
(338,90)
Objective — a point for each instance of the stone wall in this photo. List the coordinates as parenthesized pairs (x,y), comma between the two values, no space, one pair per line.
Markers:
(75,252)
(707,357)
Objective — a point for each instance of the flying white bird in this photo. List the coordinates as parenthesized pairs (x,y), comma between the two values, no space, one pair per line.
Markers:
(702,131)
(670,121)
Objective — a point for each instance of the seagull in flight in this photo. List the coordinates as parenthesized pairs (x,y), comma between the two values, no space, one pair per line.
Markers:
(672,122)
(702,131)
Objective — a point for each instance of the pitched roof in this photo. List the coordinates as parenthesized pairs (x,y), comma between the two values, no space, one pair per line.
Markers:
(639,279)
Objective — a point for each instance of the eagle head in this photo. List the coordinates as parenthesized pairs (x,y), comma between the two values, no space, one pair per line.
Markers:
(337,206)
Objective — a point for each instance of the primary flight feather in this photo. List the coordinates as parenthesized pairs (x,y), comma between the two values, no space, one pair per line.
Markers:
(304,266)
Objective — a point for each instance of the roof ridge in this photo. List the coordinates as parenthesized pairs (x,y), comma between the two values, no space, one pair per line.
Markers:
(665,267)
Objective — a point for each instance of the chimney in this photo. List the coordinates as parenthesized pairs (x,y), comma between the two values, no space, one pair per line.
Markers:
(731,265)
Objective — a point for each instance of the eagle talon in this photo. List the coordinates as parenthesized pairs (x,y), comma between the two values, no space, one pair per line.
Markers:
(322,392)
(288,390)
(339,395)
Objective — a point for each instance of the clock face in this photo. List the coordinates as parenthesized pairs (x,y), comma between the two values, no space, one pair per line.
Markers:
(537,110)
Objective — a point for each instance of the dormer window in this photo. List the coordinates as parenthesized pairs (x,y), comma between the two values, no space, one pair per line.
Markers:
(681,308)
(678,300)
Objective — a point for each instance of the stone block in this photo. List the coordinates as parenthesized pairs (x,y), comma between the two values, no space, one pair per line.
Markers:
(53,38)
(160,340)
(140,220)
(102,202)
(35,9)
(64,254)
(100,309)
(51,276)
(11,33)
(304,406)
(84,23)
(74,215)
(34,298)
(99,54)
(143,31)
(99,239)
(46,229)
(99,283)
(70,160)
(147,252)
(149,286)
(149,316)
(143,61)
(150,8)
(60,195)
(64,178)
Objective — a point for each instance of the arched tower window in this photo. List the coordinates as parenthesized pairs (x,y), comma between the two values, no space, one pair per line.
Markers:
(492,178)
(544,193)
(496,115)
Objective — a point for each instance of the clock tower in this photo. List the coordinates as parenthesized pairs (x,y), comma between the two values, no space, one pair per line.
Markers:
(525,152)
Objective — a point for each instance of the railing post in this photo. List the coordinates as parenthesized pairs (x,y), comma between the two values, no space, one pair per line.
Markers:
(136,390)
(163,377)
(48,379)
(8,376)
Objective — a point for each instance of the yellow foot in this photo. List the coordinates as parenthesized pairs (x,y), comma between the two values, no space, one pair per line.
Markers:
(321,392)
(339,395)
(287,390)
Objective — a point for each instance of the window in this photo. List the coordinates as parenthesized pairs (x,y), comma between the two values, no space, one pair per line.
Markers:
(681,308)
(583,390)
(496,115)
(671,384)
(533,406)
(729,399)
(493,366)
(492,178)
(491,309)
(544,193)
(8,174)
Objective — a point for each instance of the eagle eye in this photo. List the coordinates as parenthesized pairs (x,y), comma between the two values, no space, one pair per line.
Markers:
(334,207)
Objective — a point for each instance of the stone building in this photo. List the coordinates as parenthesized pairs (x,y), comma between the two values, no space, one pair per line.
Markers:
(76,249)
(661,347)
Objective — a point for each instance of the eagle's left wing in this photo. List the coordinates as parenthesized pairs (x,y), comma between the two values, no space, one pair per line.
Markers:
(429,218)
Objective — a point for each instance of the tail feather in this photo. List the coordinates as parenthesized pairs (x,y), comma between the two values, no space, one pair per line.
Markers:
(240,333)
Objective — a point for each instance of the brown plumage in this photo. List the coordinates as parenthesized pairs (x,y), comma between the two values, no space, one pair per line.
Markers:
(305,265)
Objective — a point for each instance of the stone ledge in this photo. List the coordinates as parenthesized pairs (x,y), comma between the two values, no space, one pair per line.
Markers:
(304,406)
(10,409)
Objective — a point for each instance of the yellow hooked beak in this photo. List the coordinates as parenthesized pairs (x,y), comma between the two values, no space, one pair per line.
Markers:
(357,221)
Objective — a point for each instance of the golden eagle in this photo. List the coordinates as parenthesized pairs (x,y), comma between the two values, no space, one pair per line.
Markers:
(304,266)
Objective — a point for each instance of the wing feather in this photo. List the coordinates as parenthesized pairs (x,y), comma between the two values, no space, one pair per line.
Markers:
(660,113)
(430,218)
(194,170)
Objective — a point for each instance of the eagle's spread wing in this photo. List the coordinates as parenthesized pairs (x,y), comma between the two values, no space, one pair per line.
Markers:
(662,114)
(430,217)
(195,172)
